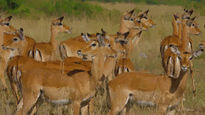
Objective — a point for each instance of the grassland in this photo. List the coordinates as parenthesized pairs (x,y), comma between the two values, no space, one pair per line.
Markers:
(145,57)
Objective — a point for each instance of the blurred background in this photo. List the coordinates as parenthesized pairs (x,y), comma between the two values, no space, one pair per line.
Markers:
(35,17)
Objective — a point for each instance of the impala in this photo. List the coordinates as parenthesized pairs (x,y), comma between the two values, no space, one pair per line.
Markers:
(69,47)
(188,27)
(5,54)
(124,64)
(47,51)
(145,87)
(65,65)
(78,87)
(176,23)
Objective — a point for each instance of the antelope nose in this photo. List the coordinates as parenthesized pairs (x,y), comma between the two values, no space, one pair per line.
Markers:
(184,68)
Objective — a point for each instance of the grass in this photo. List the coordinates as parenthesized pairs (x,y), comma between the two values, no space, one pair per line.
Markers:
(145,57)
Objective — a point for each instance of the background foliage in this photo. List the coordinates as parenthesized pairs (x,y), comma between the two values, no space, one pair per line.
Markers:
(80,7)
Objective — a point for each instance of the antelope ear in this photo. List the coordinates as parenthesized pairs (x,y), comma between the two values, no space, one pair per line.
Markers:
(8,18)
(191,12)
(21,35)
(131,11)
(186,10)
(126,34)
(192,19)
(61,18)
(85,37)
(147,11)
(89,35)
(198,52)
(100,39)
(118,33)
(174,49)
(103,32)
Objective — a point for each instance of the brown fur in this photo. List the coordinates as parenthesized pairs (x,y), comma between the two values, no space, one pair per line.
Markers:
(47,51)
(77,88)
(138,86)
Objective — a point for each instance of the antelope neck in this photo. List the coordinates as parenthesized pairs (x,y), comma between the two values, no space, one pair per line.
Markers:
(53,41)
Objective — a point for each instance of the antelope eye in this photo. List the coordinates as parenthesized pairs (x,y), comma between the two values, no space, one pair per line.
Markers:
(7,24)
(93,45)
(15,39)
(109,45)
(131,19)
(193,24)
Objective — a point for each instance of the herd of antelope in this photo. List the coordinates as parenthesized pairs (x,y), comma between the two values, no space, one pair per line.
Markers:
(91,60)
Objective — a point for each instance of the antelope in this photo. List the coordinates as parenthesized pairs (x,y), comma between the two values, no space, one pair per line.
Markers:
(47,51)
(5,54)
(176,23)
(161,90)
(171,63)
(65,65)
(69,47)
(125,64)
(78,88)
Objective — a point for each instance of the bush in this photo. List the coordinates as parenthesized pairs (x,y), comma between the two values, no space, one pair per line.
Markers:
(51,7)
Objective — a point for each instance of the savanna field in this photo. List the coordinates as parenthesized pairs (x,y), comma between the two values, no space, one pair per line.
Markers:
(146,56)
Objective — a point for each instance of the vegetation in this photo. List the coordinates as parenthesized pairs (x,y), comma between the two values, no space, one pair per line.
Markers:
(145,57)
(78,7)
(69,7)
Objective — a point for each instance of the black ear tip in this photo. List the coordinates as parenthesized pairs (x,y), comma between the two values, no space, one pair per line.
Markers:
(97,34)
(21,29)
(81,34)
(9,18)
(132,11)
(61,18)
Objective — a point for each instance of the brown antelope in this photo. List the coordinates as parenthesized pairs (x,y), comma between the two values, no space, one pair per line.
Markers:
(178,40)
(124,64)
(145,87)
(66,65)
(62,88)
(176,23)
(5,54)
(69,47)
(47,51)
(189,27)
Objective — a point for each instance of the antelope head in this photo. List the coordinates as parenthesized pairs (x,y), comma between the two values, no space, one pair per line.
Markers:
(57,26)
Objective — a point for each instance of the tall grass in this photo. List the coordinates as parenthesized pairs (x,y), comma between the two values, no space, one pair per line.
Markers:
(146,56)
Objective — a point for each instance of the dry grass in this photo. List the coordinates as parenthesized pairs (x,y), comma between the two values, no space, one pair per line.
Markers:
(145,57)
